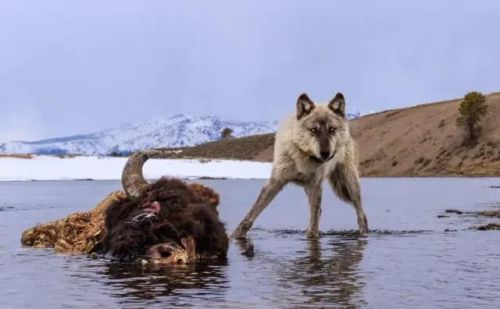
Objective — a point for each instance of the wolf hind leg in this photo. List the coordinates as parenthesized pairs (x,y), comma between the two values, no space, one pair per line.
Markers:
(267,194)
(344,180)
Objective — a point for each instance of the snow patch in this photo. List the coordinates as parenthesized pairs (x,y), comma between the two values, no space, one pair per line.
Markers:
(110,168)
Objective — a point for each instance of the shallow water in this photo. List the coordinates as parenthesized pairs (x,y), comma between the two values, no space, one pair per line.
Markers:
(411,259)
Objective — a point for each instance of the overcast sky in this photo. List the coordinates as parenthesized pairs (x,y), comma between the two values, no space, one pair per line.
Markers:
(69,67)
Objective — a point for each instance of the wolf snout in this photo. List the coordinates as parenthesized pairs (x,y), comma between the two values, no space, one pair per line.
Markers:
(325,155)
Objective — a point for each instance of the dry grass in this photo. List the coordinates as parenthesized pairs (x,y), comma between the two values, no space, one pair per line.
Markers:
(244,148)
(17,156)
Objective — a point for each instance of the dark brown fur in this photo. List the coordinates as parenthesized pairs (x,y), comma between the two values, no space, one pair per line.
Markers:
(186,210)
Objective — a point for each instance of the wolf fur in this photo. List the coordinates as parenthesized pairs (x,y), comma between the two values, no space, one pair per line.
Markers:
(310,146)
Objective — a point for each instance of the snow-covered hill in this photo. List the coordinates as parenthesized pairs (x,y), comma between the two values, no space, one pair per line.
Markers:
(177,131)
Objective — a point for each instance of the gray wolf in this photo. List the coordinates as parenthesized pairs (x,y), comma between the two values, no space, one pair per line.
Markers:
(310,146)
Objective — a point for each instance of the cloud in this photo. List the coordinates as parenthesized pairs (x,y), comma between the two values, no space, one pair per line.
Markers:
(82,66)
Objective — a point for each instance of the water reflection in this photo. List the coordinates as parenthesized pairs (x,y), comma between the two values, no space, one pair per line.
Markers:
(406,260)
(327,275)
(166,284)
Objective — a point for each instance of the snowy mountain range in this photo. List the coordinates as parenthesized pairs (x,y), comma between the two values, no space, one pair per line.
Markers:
(177,131)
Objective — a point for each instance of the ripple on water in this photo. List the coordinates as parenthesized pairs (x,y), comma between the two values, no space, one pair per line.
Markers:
(410,263)
(349,233)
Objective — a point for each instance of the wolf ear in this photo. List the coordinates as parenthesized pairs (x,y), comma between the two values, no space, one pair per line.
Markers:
(304,106)
(337,104)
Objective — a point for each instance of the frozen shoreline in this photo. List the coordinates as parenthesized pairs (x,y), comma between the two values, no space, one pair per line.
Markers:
(110,168)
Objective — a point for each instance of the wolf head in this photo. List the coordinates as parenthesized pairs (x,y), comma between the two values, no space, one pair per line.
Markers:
(321,129)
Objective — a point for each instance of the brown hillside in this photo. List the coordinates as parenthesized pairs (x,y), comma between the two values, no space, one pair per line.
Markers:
(424,141)
(244,148)
(417,141)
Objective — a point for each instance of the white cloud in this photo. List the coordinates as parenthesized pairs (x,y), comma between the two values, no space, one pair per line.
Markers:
(87,67)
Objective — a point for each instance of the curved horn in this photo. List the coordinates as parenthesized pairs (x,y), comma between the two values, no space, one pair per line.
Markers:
(133,180)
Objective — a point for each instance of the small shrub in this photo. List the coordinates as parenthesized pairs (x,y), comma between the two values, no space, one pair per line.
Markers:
(226,133)
(471,111)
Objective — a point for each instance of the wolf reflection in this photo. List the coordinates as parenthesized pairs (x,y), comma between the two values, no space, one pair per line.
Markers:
(327,274)
(323,273)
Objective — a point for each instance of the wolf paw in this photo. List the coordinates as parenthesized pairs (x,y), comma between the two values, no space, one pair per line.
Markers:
(312,234)
(363,229)
(363,225)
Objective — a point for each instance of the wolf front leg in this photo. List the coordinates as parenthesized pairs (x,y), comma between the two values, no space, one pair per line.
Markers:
(345,183)
(314,193)
(267,194)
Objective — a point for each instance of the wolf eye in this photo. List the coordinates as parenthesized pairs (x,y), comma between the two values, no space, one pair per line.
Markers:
(332,130)
(313,130)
